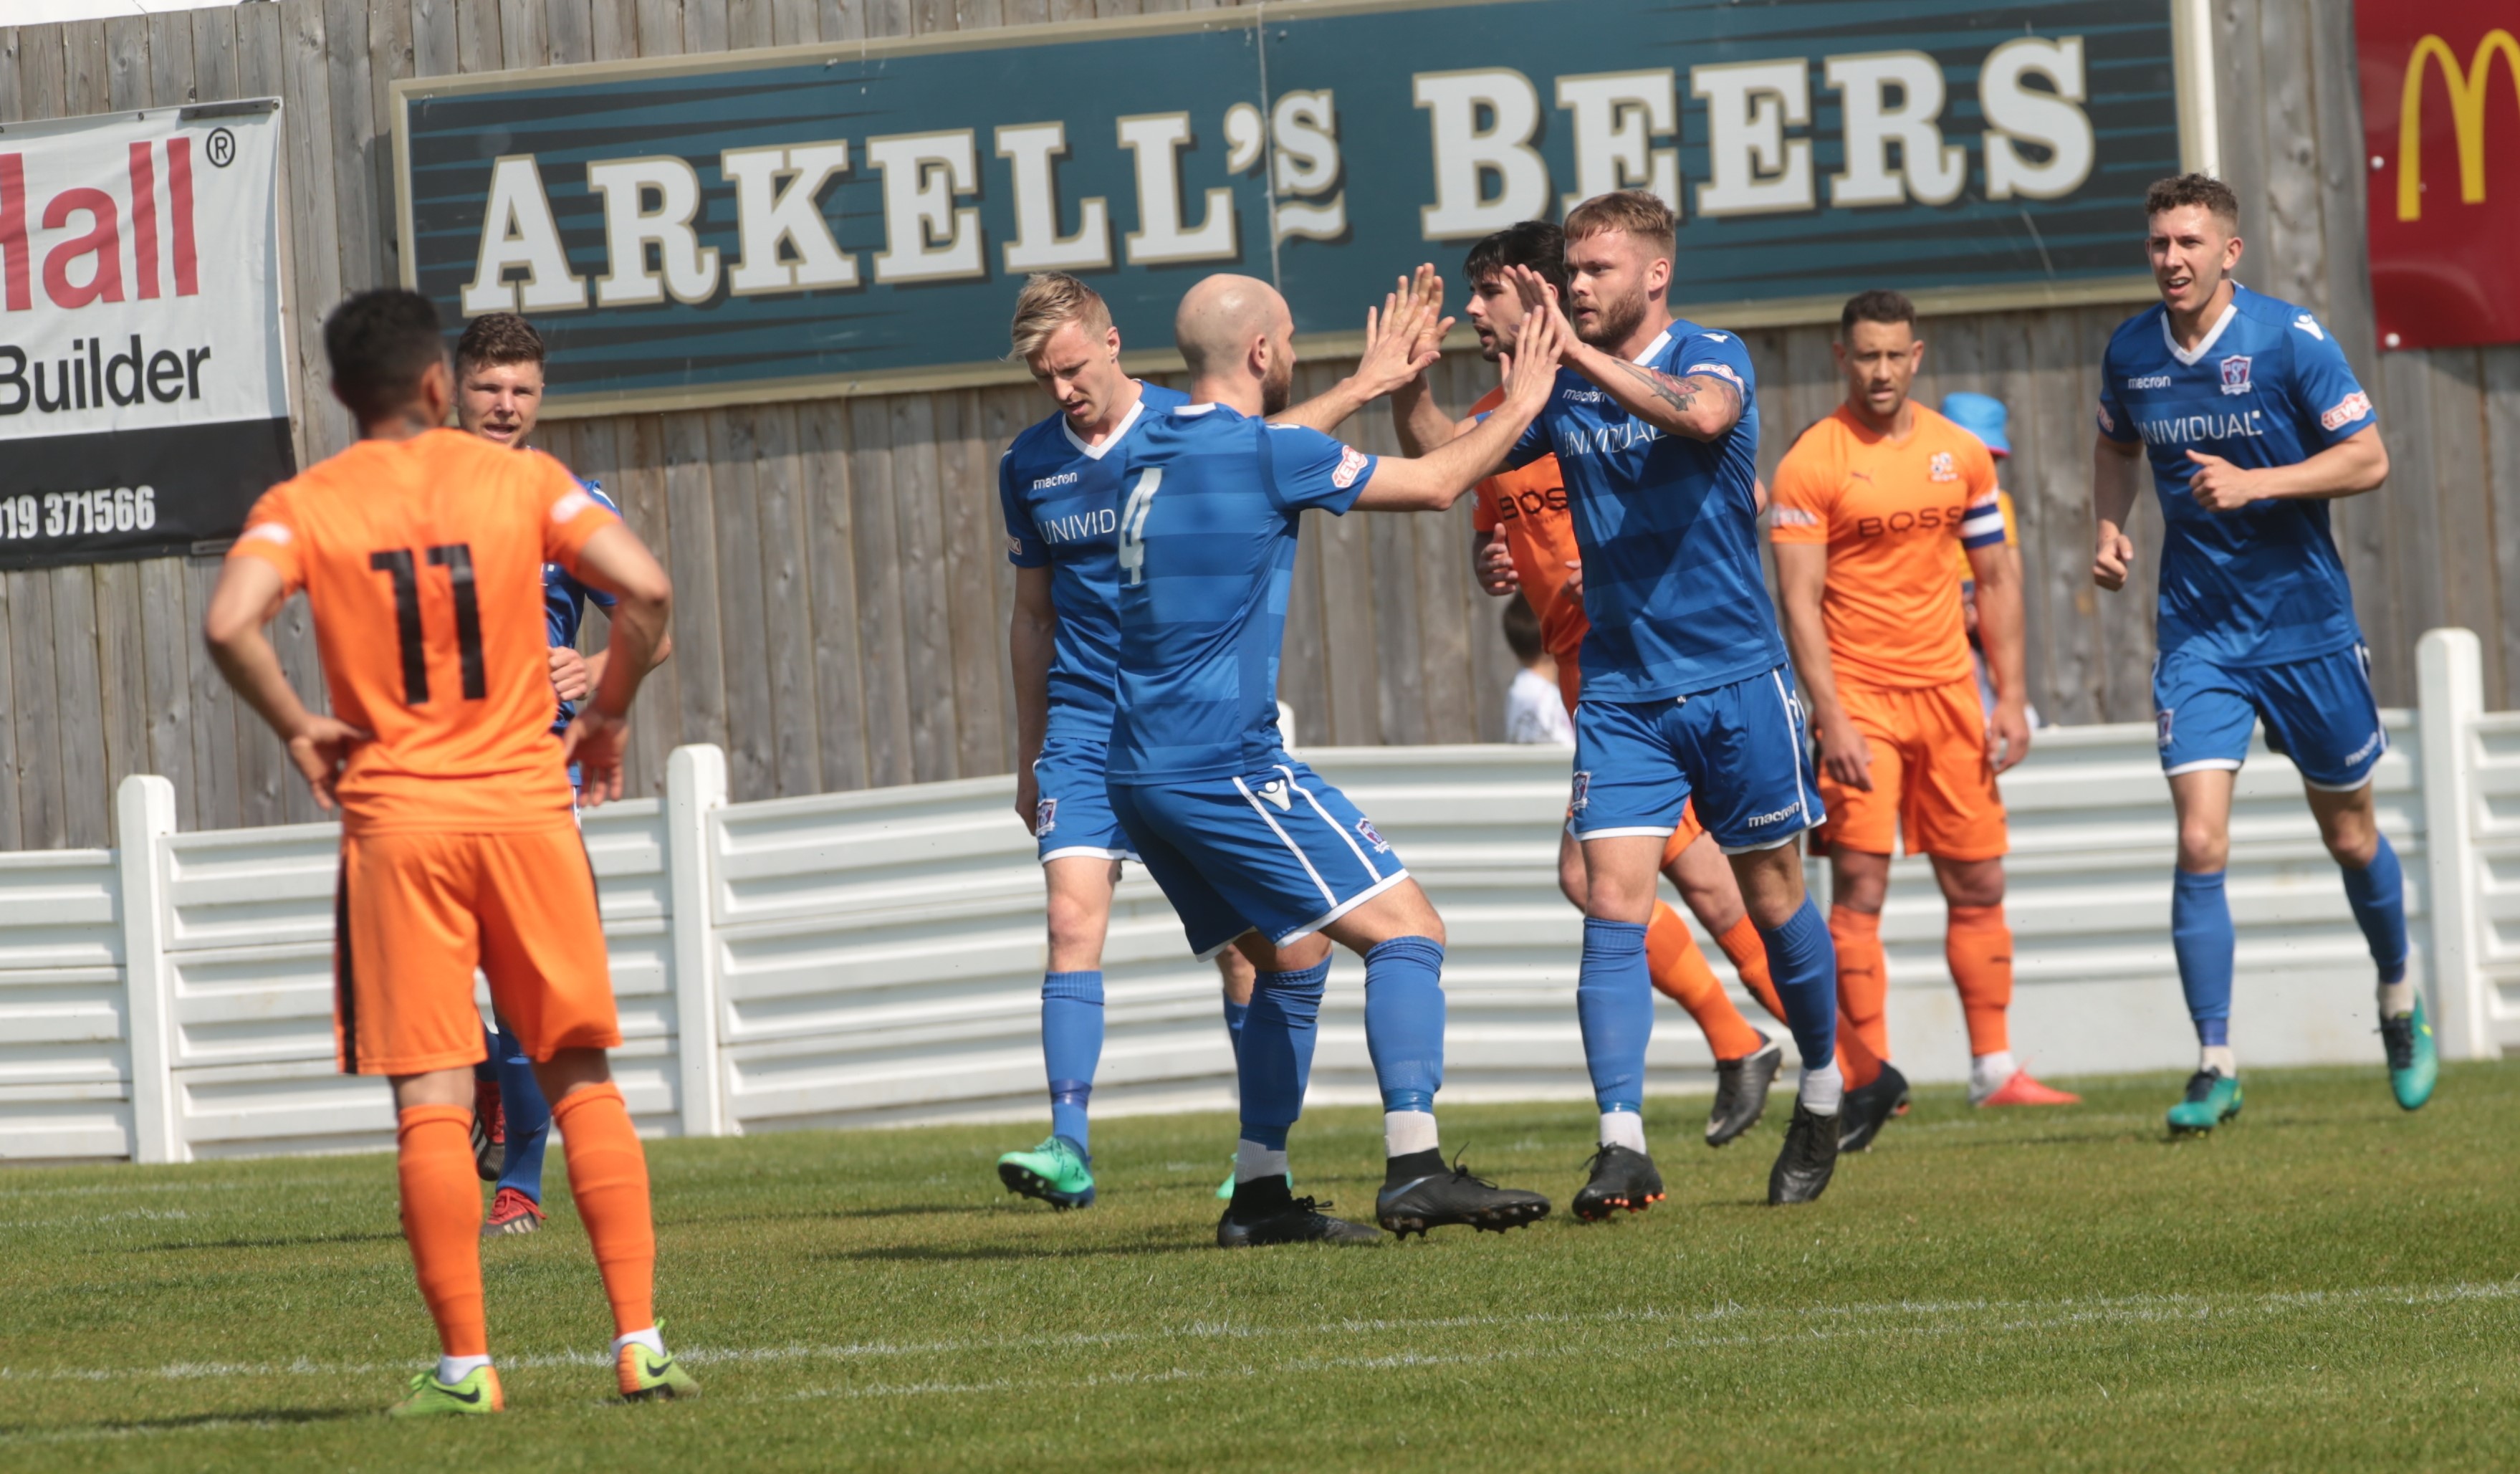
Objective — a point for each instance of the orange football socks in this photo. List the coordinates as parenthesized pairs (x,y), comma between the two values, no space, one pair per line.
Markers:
(1859,1065)
(1680,973)
(1979,947)
(441,1219)
(608,1176)
(1863,978)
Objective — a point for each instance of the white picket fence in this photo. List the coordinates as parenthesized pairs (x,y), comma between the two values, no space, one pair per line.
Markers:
(874,958)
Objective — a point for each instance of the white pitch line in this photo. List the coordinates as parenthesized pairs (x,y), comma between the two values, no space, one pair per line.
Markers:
(2020,1314)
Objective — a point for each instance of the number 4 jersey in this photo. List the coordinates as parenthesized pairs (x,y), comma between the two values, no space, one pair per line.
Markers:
(2267,386)
(423,560)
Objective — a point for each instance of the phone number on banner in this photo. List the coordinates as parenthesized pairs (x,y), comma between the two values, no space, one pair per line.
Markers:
(78,514)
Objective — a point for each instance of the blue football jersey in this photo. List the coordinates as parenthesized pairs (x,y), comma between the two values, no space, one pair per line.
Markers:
(1207,553)
(564,602)
(2267,386)
(1061,500)
(1669,528)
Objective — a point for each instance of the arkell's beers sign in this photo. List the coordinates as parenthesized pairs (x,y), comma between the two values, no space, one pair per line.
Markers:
(758,224)
(144,400)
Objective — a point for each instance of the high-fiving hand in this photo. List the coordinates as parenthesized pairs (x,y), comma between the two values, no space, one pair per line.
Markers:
(1405,335)
(1531,368)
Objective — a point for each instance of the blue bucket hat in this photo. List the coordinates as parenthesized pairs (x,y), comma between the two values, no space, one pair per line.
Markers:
(1981,414)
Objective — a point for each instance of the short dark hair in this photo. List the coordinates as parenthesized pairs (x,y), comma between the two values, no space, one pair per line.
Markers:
(2182,190)
(379,344)
(496,339)
(1522,630)
(1878,305)
(1535,243)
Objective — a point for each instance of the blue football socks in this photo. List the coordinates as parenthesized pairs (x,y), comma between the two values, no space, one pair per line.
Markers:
(1404,1021)
(1614,1005)
(528,1116)
(1235,1017)
(1071,1047)
(2377,894)
(1803,962)
(2200,933)
(1276,1060)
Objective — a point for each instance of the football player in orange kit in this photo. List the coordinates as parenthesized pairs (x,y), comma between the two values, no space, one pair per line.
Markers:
(1524,537)
(1868,503)
(421,550)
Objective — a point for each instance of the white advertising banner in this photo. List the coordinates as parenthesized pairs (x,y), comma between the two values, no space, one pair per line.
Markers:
(144,386)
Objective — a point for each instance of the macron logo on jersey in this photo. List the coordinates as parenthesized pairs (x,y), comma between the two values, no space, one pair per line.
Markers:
(1063,479)
(2310,325)
(2149,382)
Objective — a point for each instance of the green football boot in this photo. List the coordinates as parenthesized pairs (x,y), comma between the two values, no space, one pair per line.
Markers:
(1054,1172)
(648,1376)
(2213,1097)
(477,1394)
(2413,1063)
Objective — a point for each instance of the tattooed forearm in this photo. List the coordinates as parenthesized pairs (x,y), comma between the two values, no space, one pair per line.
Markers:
(1679,396)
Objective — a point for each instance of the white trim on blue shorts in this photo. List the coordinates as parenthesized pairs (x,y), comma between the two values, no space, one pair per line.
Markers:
(1353,847)
(1765,844)
(2355,786)
(1091,852)
(1343,908)
(1292,848)
(1802,790)
(1221,948)
(1646,832)
(2206,764)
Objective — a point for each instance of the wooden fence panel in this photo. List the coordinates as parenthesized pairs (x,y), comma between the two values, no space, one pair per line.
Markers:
(841,602)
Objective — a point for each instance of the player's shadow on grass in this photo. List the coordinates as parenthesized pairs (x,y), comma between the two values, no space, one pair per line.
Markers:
(294,1241)
(289,1415)
(982,1253)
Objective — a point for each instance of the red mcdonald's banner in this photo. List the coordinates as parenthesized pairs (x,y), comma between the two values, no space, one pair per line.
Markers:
(2441,122)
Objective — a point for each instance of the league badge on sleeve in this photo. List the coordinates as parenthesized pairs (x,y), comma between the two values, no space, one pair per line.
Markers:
(2235,373)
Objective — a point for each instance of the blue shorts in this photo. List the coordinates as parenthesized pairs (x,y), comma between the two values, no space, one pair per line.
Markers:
(1278,851)
(1738,750)
(1072,817)
(2319,712)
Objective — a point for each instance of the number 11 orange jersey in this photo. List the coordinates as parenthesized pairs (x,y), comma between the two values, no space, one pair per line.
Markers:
(423,560)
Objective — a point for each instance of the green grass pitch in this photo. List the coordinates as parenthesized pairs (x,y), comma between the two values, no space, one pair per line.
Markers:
(2325,1284)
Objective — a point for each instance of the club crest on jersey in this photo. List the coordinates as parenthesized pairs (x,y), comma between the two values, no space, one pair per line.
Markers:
(1939,468)
(1045,817)
(1351,466)
(2235,373)
(1582,795)
(1373,837)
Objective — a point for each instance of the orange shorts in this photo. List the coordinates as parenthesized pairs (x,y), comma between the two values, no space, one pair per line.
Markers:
(1931,778)
(1570,684)
(416,913)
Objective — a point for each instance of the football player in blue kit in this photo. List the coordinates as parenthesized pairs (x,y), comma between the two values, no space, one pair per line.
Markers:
(1058,488)
(500,363)
(1253,849)
(1687,690)
(2252,421)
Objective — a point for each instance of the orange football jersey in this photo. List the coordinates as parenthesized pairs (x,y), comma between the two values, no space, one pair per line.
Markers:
(1890,513)
(423,560)
(1530,505)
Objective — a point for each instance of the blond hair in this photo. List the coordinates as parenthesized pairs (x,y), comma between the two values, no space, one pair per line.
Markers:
(1050,301)
(1635,211)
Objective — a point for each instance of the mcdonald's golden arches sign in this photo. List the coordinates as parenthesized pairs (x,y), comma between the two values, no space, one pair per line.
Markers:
(2441,121)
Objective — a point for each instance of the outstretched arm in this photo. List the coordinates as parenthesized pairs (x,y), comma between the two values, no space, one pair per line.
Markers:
(1401,340)
(1699,406)
(1435,481)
